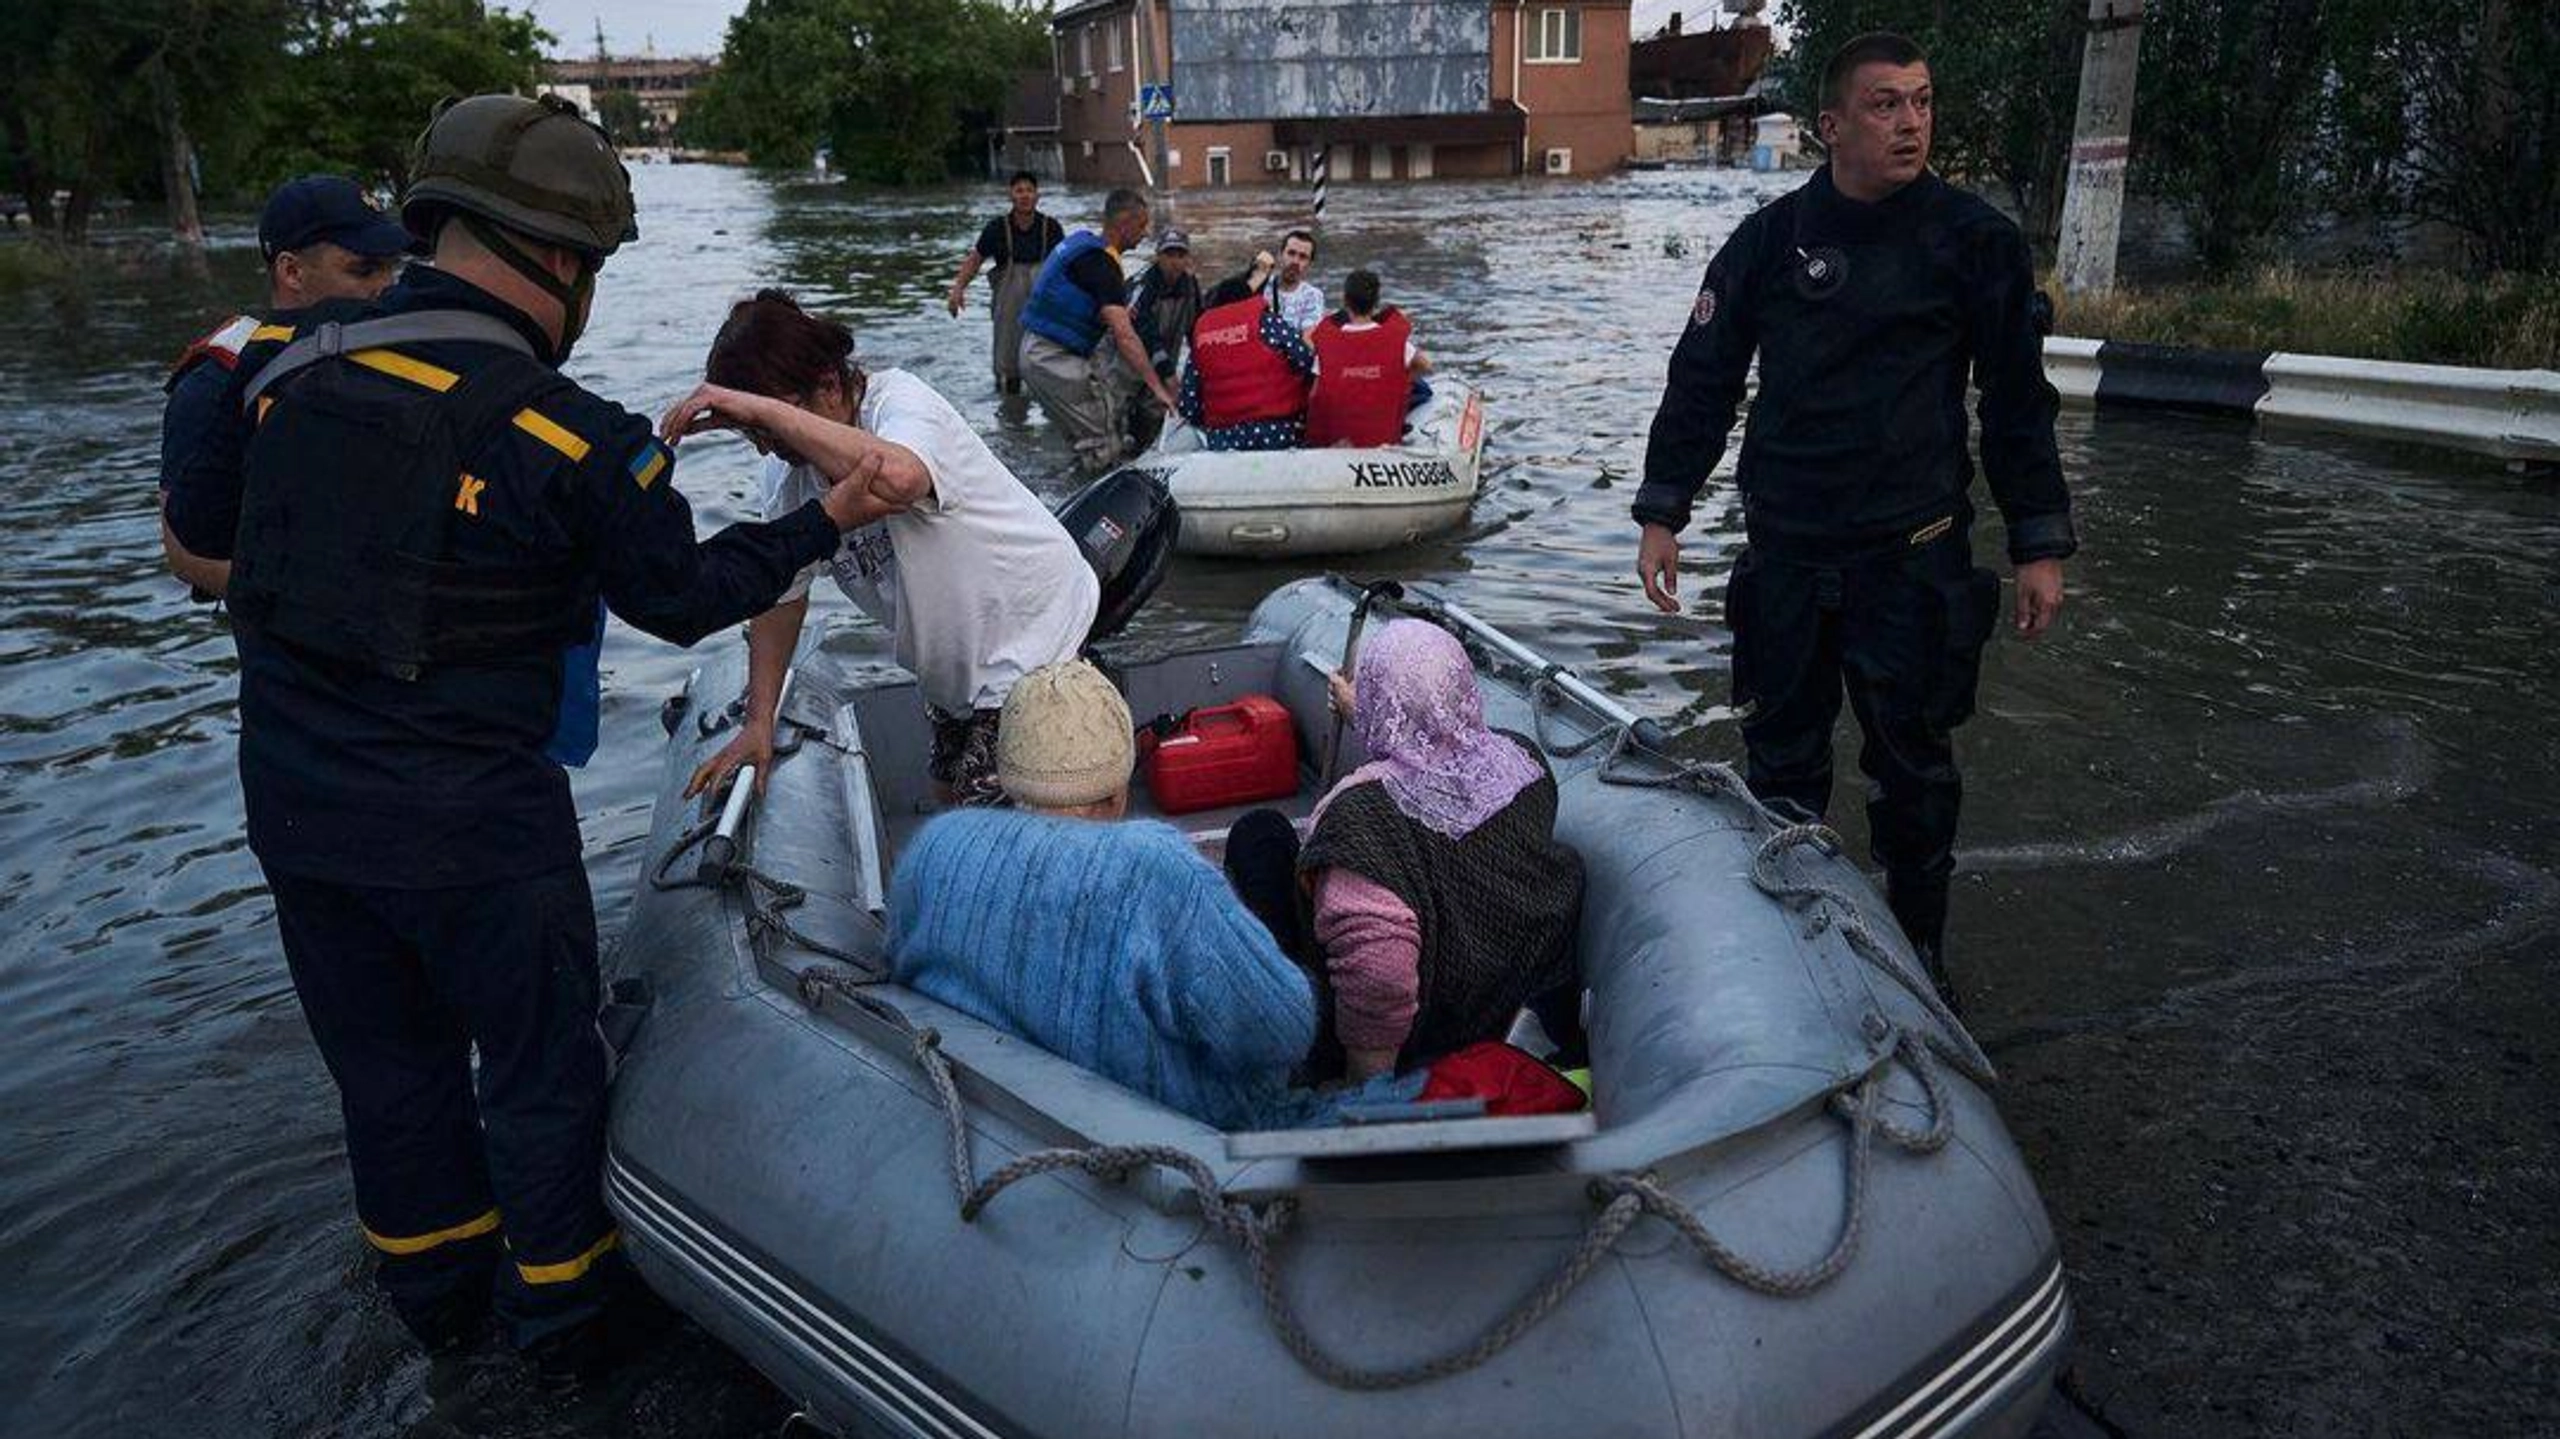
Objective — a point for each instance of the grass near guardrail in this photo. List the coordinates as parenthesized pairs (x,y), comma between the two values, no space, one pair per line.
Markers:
(2507,322)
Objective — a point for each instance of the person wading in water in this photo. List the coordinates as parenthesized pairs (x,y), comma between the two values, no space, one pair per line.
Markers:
(1870,294)
(1015,243)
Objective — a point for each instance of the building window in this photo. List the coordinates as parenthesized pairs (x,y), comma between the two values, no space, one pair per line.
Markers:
(1084,51)
(1221,165)
(1557,38)
(1111,46)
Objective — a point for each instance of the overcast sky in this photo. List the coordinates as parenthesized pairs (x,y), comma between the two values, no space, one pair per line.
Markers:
(694,27)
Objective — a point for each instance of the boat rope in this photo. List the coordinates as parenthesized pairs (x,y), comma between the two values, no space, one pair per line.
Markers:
(766,900)
(1623,1199)
(1828,905)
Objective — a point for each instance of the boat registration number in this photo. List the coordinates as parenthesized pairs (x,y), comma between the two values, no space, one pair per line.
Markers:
(1402,474)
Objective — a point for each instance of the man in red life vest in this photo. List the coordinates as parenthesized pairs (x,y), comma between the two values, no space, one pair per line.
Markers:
(319,240)
(1366,370)
(1246,385)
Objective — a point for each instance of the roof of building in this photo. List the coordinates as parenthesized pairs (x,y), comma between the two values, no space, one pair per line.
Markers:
(1707,62)
(1085,10)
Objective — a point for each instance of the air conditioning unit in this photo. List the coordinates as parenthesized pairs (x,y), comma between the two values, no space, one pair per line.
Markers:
(1559,162)
(1275,161)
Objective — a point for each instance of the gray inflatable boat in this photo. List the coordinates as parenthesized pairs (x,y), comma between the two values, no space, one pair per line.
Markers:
(1792,1211)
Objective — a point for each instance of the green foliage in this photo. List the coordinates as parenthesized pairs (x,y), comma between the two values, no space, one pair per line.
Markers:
(2509,321)
(2253,118)
(264,89)
(624,117)
(2486,79)
(364,80)
(2231,93)
(77,85)
(887,85)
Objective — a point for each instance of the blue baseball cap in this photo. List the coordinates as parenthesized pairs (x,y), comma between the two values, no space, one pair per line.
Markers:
(313,208)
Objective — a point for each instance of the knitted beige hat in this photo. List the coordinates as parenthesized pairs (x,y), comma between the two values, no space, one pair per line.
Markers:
(1065,738)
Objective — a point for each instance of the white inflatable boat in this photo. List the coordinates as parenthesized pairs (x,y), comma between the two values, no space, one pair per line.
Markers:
(1326,502)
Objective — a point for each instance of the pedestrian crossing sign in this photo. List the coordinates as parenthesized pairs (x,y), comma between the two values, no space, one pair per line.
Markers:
(1155,102)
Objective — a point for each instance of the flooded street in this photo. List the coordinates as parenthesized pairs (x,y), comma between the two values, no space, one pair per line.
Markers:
(2259,912)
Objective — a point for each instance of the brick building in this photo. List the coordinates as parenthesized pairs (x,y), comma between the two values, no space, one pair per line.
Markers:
(1390,89)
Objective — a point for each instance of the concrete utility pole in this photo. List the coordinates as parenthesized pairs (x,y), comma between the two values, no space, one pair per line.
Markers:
(1146,45)
(2101,138)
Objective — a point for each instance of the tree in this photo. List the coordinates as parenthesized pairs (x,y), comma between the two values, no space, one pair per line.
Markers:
(2485,81)
(141,95)
(2230,91)
(884,83)
(365,80)
(98,98)
(623,117)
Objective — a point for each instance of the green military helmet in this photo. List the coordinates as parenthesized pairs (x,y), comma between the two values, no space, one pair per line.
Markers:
(536,167)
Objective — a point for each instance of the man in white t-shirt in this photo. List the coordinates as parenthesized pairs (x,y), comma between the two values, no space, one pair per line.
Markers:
(973,577)
(1299,300)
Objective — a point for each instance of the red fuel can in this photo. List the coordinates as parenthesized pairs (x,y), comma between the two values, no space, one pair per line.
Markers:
(1233,754)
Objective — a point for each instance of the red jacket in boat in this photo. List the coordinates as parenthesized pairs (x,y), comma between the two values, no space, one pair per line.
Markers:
(1242,379)
(1361,385)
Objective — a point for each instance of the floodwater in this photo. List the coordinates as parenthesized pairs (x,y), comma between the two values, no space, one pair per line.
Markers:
(2259,910)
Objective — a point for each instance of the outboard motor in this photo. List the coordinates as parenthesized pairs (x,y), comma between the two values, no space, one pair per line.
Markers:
(1125,523)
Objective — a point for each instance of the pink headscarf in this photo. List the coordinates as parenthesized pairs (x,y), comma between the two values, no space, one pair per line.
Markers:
(1420,716)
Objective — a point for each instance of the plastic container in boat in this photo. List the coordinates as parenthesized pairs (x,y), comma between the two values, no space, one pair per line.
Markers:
(1229,754)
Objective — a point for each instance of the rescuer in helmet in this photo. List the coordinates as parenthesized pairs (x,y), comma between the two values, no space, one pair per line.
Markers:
(422,515)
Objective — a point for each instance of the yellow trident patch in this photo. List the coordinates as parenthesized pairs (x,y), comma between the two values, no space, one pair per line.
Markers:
(467,498)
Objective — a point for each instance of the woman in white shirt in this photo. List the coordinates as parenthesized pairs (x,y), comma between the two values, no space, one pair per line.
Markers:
(973,577)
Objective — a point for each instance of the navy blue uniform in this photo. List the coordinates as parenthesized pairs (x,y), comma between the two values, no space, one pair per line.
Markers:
(1868,321)
(422,849)
(193,412)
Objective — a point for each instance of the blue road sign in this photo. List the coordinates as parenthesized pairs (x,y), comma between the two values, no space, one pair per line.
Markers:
(1155,102)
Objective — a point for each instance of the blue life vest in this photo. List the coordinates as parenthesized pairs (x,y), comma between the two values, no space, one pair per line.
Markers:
(573,734)
(1060,310)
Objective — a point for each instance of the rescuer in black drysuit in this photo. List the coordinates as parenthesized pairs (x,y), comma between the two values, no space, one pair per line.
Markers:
(421,515)
(1869,294)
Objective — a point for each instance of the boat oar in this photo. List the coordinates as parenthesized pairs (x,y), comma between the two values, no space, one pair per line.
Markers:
(1369,594)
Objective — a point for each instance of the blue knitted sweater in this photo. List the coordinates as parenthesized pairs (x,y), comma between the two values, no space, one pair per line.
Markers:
(1113,945)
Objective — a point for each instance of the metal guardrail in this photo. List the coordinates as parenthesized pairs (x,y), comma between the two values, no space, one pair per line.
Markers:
(2072,366)
(2513,415)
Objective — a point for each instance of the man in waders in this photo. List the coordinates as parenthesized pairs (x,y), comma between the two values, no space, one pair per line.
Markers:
(1869,294)
(1015,243)
(421,514)
(318,240)
(1081,356)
